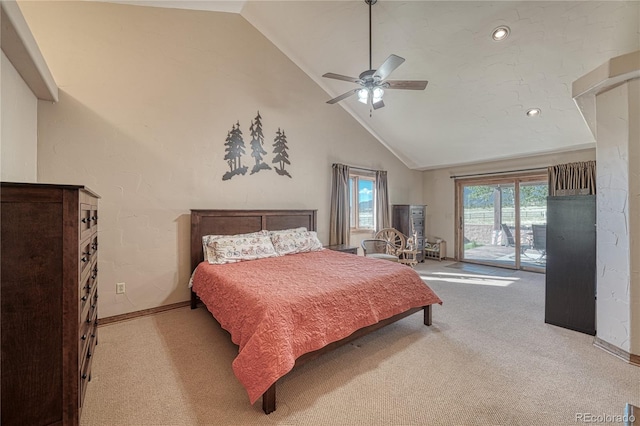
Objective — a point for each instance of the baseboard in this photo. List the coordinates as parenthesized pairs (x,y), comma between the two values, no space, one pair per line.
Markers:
(616,351)
(142,313)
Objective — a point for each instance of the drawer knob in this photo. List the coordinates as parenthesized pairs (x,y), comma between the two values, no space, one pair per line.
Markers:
(84,337)
(84,259)
(89,321)
(88,354)
(84,377)
(83,298)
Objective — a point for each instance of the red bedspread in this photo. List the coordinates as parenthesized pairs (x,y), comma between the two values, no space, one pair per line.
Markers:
(277,309)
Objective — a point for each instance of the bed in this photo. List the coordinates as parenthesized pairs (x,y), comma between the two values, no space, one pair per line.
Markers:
(312,323)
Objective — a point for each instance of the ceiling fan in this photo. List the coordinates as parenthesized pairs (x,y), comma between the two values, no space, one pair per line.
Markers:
(374,82)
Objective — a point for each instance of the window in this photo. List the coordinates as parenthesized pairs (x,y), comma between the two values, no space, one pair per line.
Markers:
(362,201)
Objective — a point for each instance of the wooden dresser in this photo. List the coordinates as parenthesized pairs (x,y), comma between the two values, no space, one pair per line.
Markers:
(49,294)
(407,218)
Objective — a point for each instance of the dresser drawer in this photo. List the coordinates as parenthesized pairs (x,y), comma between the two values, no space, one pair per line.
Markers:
(417,213)
(94,218)
(85,221)
(418,222)
(87,329)
(88,286)
(84,257)
(85,367)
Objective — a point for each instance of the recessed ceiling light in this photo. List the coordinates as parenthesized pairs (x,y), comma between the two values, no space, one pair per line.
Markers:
(533,112)
(500,33)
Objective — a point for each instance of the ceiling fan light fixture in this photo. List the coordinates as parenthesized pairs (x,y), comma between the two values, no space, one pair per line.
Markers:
(500,33)
(377,94)
(363,95)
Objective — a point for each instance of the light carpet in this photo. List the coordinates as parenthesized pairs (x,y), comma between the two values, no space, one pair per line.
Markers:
(488,359)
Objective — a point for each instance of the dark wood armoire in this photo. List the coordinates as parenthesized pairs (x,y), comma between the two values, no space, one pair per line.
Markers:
(570,297)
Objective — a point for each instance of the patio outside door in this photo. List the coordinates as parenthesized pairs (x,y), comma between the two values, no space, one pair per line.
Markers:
(497,218)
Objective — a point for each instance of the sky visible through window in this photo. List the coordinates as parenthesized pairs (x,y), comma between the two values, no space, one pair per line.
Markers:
(365,203)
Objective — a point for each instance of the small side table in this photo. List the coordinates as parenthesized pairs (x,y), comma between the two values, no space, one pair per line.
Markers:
(343,248)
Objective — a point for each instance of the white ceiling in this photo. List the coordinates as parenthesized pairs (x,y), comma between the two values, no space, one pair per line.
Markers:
(479,90)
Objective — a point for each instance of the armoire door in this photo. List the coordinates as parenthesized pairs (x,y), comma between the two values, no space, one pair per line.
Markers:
(570,299)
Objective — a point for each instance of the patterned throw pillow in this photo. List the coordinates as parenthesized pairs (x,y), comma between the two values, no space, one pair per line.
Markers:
(295,242)
(237,249)
(208,240)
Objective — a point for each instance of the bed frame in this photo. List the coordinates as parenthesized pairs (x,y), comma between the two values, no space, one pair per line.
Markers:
(228,222)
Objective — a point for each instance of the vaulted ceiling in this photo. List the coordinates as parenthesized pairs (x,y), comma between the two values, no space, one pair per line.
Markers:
(474,108)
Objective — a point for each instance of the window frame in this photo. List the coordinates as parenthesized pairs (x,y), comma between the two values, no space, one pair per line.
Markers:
(354,213)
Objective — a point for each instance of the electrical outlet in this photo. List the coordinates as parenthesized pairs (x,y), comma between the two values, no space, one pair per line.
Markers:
(119,288)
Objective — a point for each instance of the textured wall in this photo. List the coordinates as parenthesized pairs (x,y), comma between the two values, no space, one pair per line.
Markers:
(19,137)
(618,216)
(147,96)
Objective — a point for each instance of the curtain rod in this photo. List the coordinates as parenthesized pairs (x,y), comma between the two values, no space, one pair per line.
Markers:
(498,173)
(362,169)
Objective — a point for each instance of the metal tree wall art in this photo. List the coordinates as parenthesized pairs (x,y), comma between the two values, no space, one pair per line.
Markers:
(257,140)
(234,152)
(235,149)
(280,149)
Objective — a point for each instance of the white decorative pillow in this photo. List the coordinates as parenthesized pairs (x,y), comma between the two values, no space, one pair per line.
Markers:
(295,242)
(207,242)
(236,249)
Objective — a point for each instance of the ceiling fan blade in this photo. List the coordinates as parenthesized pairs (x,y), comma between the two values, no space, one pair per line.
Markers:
(387,67)
(343,96)
(341,77)
(378,104)
(406,84)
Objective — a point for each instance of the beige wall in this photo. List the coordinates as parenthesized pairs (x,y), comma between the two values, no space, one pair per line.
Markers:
(18,135)
(147,97)
(439,188)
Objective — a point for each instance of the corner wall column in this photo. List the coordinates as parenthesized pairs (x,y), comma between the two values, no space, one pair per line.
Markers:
(609,99)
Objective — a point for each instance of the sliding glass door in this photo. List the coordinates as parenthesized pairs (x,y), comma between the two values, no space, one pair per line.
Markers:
(497,219)
(533,224)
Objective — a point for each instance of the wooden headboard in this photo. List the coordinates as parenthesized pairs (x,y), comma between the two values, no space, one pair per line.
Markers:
(229,222)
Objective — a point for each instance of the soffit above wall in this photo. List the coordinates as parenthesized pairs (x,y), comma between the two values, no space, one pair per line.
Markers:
(22,50)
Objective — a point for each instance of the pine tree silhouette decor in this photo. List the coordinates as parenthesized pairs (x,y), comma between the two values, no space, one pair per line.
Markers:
(257,140)
(234,151)
(280,149)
